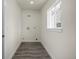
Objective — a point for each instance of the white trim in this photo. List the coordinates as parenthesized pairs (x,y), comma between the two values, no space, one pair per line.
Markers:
(14,50)
(48,50)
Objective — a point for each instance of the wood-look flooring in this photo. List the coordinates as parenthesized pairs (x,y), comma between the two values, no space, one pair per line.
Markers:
(31,50)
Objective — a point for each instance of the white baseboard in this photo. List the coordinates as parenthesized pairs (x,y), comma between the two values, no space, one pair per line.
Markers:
(42,42)
(48,50)
(30,41)
(13,52)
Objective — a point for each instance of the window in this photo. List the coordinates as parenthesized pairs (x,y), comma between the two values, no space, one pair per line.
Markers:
(54,16)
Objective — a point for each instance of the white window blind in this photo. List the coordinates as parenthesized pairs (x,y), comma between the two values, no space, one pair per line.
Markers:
(54,16)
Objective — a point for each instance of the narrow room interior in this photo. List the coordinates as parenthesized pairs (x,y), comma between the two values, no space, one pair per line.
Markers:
(39,29)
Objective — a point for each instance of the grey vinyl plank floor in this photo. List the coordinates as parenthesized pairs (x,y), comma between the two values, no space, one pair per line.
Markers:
(31,50)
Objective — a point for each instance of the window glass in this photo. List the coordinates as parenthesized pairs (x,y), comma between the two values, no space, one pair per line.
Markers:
(54,16)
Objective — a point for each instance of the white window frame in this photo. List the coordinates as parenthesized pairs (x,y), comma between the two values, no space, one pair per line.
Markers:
(54,16)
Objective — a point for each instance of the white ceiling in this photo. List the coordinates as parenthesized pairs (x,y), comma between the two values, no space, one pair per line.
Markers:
(25,4)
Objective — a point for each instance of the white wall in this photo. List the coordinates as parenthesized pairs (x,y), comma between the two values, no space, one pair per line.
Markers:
(60,45)
(34,24)
(12,28)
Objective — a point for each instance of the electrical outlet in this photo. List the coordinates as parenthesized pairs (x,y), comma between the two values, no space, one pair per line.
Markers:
(36,39)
